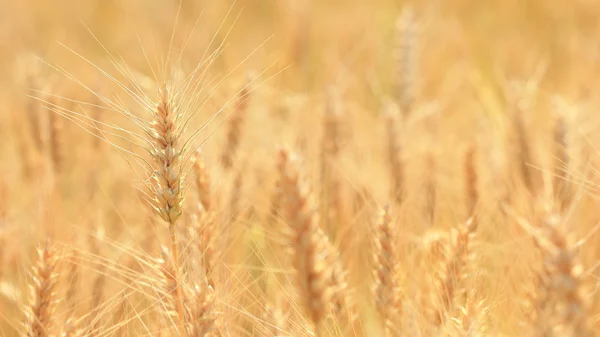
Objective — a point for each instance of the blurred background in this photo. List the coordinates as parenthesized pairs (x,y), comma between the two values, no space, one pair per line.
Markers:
(475,65)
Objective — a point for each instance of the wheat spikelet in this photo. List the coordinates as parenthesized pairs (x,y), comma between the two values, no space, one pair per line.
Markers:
(41,310)
(308,261)
(386,285)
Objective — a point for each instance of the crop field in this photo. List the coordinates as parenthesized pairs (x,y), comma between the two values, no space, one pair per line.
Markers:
(299,168)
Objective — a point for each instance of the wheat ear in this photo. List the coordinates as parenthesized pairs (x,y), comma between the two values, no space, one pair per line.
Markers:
(330,149)
(41,310)
(455,270)
(406,59)
(386,272)
(308,259)
(562,280)
(167,183)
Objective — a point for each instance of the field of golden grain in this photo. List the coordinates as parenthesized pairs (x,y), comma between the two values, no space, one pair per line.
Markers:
(299,168)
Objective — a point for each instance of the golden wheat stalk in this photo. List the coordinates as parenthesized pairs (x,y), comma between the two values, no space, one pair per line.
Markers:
(471,192)
(394,151)
(561,183)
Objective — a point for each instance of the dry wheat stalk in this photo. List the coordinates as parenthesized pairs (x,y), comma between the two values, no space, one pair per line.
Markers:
(73,281)
(32,109)
(386,292)
(471,193)
(524,157)
(561,184)
(39,313)
(308,258)
(431,188)
(168,283)
(394,151)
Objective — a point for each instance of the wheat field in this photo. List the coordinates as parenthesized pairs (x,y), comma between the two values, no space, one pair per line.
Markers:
(299,168)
